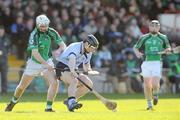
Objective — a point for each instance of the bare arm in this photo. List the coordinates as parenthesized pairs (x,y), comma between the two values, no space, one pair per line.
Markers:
(137,52)
(87,67)
(88,70)
(72,65)
(61,48)
(38,57)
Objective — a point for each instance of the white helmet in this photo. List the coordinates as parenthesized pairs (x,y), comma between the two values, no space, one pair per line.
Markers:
(42,20)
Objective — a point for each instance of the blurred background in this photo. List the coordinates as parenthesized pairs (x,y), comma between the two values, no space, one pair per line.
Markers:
(117,24)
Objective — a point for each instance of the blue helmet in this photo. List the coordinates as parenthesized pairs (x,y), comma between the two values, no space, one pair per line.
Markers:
(91,39)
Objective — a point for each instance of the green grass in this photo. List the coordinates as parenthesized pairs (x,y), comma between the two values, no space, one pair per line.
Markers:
(130,107)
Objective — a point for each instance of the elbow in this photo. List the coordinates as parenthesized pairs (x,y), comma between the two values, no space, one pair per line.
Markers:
(34,53)
(62,46)
(134,49)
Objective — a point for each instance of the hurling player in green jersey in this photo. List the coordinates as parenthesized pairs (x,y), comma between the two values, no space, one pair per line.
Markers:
(152,43)
(40,62)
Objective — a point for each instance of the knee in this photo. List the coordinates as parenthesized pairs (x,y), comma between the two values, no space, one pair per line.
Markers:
(147,84)
(91,84)
(74,82)
(156,85)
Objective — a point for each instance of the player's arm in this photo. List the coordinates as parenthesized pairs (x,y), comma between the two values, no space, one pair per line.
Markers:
(61,48)
(87,64)
(137,46)
(72,64)
(87,67)
(58,40)
(33,47)
(38,57)
(167,45)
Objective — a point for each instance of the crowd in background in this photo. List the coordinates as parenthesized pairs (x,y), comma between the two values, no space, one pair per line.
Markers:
(117,24)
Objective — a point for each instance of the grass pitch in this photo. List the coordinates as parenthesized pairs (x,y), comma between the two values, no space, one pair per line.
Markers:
(130,107)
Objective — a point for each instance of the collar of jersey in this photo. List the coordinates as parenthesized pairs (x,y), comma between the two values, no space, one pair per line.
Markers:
(42,32)
(154,35)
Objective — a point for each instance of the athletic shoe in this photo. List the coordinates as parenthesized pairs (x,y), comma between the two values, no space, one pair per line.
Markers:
(49,110)
(150,108)
(155,100)
(10,106)
(73,106)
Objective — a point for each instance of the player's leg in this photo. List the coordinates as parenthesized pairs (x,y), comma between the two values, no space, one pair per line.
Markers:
(148,92)
(146,73)
(157,72)
(24,83)
(52,90)
(72,83)
(32,69)
(155,86)
(82,90)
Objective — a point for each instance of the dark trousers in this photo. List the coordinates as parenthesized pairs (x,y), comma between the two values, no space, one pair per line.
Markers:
(176,81)
(3,72)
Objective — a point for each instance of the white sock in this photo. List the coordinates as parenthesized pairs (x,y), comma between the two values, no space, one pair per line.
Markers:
(149,103)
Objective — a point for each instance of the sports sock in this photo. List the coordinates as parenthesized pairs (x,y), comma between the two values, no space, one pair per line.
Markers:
(14,99)
(49,105)
(149,103)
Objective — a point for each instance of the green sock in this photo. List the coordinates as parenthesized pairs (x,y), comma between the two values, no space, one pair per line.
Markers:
(14,99)
(49,105)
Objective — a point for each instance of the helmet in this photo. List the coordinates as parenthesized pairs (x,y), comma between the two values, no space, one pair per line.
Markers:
(91,39)
(42,20)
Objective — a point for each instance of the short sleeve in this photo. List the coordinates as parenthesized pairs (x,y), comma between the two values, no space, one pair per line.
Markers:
(56,37)
(139,43)
(33,43)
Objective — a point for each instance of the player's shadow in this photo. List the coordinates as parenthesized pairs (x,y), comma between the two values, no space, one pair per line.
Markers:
(25,111)
(146,110)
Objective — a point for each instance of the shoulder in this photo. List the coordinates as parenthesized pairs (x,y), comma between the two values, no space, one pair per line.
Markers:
(52,31)
(33,34)
(35,31)
(162,35)
(72,48)
(75,45)
(145,36)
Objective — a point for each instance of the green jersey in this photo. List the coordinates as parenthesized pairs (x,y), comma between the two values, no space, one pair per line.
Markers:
(152,44)
(42,42)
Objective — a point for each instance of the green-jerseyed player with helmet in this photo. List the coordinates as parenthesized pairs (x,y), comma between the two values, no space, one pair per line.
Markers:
(40,62)
(152,43)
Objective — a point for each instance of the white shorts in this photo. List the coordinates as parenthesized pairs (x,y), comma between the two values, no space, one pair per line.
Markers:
(151,69)
(36,69)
